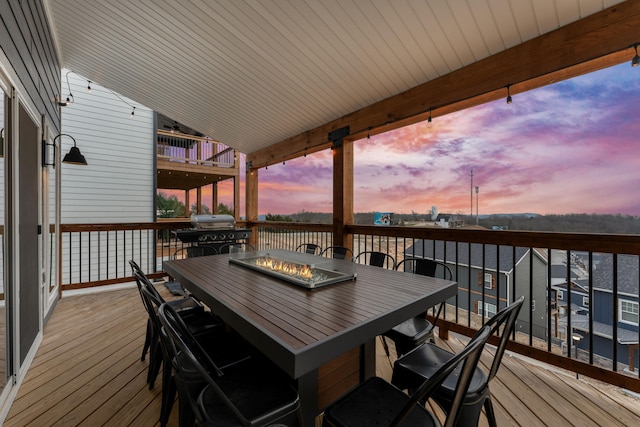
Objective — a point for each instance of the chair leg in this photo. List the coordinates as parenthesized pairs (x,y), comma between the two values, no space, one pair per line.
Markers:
(386,347)
(186,417)
(168,397)
(488,409)
(147,340)
(154,365)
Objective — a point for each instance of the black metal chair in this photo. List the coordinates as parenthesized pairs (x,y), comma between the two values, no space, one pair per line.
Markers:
(251,393)
(415,331)
(376,402)
(413,368)
(199,321)
(337,252)
(231,349)
(309,248)
(242,247)
(183,304)
(147,340)
(377,259)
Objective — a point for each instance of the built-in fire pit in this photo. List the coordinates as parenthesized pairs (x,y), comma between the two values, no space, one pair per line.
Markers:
(310,271)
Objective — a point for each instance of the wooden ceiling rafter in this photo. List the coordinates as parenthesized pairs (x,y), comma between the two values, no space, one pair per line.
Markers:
(595,42)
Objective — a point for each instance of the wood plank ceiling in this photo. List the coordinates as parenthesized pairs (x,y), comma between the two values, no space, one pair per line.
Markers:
(251,74)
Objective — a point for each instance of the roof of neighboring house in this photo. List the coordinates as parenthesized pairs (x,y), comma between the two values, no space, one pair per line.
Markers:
(425,249)
(560,271)
(627,274)
(580,322)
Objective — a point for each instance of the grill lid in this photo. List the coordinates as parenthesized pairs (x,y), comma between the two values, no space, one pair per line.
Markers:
(212,222)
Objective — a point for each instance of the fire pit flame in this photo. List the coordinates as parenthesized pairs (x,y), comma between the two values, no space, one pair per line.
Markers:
(310,271)
(292,269)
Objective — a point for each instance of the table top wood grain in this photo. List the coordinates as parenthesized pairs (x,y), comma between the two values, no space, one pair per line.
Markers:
(298,328)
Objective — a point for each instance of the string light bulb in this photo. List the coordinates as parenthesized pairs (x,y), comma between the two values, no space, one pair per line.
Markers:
(509,99)
(133,112)
(70,97)
(89,86)
(429,119)
(636,59)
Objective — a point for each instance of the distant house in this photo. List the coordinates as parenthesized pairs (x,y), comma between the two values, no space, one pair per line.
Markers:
(446,220)
(505,277)
(606,312)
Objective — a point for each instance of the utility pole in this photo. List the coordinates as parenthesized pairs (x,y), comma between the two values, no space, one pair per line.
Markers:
(471,193)
(477,188)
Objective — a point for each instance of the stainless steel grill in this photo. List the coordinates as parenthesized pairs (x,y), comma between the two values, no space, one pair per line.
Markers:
(213,230)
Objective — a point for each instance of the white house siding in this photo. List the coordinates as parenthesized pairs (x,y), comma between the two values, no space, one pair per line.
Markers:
(117,186)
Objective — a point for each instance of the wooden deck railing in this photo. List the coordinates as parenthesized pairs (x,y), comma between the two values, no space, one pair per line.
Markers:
(193,150)
(542,326)
(98,254)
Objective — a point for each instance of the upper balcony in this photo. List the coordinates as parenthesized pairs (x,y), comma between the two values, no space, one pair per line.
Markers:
(188,161)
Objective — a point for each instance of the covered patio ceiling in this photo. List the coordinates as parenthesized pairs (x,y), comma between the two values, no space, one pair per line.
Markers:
(271,78)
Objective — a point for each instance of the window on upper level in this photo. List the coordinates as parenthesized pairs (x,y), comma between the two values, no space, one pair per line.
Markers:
(488,280)
(628,312)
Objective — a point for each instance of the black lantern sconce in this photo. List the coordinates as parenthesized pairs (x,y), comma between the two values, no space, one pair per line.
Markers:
(73,157)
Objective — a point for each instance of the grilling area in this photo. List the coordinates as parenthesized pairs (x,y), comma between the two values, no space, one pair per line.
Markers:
(214,231)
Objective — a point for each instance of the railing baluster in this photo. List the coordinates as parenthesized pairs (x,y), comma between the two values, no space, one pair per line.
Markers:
(532,302)
(614,310)
(549,301)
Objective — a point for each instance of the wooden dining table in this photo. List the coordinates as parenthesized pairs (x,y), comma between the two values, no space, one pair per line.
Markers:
(324,338)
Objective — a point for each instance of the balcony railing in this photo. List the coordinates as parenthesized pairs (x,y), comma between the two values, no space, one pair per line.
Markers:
(194,150)
(99,254)
(492,268)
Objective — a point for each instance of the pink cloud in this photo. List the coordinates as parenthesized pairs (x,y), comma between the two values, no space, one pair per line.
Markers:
(566,148)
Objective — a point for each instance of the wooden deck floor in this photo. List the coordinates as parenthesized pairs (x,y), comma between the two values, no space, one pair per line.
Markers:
(88,372)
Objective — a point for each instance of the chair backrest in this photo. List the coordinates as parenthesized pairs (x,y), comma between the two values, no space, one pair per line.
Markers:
(134,267)
(377,259)
(310,248)
(338,252)
(425,267)
(138,274)
(183,341)
(194,251)
(143,282)
(242,247)
(151,300)
(505,318)
(468,360)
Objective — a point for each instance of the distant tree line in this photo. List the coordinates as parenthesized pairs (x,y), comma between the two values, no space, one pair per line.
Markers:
(171,207)
(576,223)
(572,223)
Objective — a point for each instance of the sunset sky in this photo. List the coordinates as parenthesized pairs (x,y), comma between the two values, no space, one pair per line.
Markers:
(572,147)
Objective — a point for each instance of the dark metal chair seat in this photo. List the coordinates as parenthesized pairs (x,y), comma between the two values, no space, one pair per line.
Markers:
(376,402)
(228,350)
(253,392)
(414,368)
(416,331)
